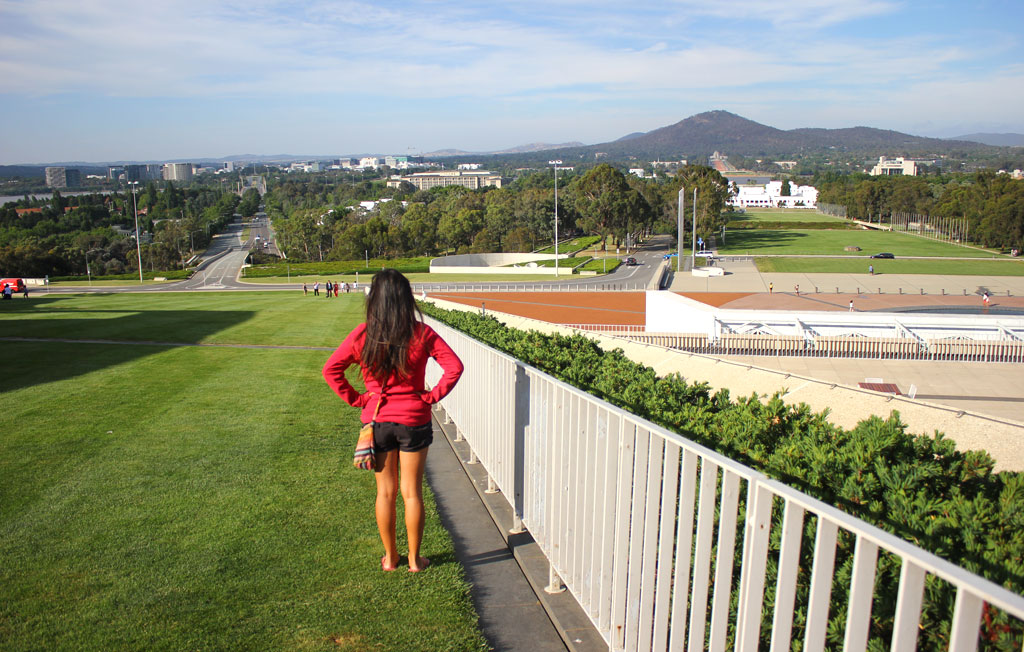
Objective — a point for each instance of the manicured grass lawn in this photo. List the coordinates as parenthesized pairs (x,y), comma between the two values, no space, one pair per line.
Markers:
(576,244)
(965,267)
(832,243)
(414,278)
(783,215)
(178,498)
(338,267)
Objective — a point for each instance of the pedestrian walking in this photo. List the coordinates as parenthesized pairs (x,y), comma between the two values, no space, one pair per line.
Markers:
(984,299)
(316,289)
(329,289)
(335,290)
(871,269)
(797,289)
(851,305)
(392,348)
(305,290)
(771,288)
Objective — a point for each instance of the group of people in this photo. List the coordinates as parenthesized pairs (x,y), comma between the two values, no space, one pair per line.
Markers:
(330,288)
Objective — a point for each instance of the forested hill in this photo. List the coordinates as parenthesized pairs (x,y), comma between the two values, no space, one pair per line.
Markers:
(704,133)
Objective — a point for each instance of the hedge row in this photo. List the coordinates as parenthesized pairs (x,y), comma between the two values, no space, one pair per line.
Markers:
(918,487)
(404,265)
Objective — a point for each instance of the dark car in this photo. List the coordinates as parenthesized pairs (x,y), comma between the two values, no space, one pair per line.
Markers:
(630,262)
(883,255)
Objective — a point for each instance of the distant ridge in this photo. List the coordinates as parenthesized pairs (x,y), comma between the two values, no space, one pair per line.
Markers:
(996,140)
(520,149)
(704,133)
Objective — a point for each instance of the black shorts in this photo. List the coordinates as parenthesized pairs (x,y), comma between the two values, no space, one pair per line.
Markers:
(388,436)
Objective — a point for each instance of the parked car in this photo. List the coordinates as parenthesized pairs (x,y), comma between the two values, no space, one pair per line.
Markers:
(17,284)
(631,262)
(883,255)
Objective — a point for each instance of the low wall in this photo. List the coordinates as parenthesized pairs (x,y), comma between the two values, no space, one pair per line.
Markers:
(476,261)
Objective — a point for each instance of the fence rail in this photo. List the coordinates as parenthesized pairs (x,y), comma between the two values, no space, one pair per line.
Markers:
(882,348)
(528,287)
(642,525)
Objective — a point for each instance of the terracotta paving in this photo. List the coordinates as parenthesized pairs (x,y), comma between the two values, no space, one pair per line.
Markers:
(630,307)
(560,307)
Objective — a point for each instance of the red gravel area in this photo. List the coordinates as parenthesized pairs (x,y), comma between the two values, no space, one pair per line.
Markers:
(630,307)
(560,307)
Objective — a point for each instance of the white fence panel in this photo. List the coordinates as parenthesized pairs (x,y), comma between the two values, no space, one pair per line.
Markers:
(621,507)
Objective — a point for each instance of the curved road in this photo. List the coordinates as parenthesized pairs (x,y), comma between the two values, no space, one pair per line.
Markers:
(222,262)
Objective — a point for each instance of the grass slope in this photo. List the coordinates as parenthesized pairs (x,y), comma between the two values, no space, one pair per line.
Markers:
(832,243)
(170,498)
(966,267)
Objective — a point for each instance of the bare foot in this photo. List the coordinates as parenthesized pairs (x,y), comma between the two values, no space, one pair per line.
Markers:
(422,562)
(385,566)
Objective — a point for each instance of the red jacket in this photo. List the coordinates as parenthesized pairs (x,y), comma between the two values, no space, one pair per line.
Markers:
(406,401)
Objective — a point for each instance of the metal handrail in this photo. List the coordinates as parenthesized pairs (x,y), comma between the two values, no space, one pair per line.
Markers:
(629,515)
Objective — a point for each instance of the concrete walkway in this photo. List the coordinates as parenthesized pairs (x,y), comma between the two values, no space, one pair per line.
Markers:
(743,276)
(507,572)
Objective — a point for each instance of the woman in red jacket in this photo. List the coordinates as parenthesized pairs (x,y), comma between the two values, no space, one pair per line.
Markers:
(392,349)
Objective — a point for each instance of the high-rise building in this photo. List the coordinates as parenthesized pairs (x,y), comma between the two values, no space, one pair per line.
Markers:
(57,177)
(181,172)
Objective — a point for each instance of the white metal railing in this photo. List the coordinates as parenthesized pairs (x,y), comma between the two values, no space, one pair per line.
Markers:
(895,348)
(533,286)
(625,512)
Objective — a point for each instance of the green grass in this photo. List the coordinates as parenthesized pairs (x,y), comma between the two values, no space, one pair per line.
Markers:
(601,265)
(172,498)
(338,267)
(965,267)
(832,243)
(577,244)
(414,278)
(784,215)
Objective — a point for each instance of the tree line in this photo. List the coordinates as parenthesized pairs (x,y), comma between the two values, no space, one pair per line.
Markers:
(315,221)
(70,236)
(992,204)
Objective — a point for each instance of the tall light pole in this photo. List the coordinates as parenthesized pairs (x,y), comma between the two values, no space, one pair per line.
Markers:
(138,245)
(556,164)
(679,229)
(693,227)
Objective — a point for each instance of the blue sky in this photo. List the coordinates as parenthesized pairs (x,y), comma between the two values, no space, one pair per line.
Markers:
(94,80)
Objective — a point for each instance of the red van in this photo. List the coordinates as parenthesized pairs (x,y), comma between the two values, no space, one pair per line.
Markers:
(17,284)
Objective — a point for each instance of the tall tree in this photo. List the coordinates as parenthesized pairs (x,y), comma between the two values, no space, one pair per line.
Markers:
(608,206)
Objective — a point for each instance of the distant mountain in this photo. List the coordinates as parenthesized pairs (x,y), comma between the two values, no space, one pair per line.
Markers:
(635,134)
(996,140)
(704,133)
(520,149)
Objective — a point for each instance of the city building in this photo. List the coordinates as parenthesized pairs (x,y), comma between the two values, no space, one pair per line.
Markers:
(180,172)
(115,173)
(470,166)
(770,196)
(468,178)
(894,167)
(57,177)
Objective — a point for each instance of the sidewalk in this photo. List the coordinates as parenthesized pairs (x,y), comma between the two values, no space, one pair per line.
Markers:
(507,572)
(743,276)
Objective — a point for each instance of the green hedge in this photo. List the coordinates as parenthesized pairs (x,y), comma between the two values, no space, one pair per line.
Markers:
(917,487)
(404,265)
(128,276)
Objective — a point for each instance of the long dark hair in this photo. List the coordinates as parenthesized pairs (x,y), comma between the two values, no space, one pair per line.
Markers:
(390,324)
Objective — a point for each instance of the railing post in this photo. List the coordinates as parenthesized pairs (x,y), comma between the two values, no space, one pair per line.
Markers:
(554,582)
(521,389)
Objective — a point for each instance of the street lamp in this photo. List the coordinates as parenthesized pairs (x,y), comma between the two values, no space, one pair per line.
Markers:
(693,227)
(138,245)
(556,164)
(679,228)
